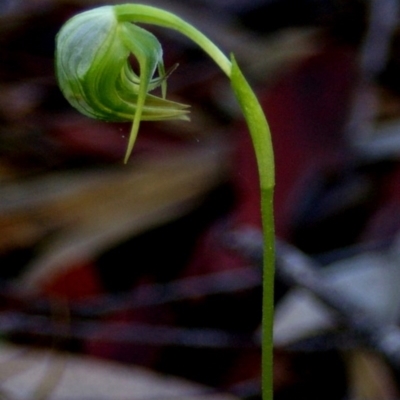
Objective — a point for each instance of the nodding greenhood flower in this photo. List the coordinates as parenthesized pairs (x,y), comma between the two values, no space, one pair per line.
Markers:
(95,75)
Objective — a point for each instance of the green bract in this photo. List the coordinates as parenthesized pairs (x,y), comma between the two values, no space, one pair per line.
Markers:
(96,77)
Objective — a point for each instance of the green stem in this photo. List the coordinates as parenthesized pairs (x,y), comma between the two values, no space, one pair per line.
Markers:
(262,143)
(268,293)
(261,138)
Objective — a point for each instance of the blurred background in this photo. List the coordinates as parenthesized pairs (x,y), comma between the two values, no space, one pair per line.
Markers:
(143,281)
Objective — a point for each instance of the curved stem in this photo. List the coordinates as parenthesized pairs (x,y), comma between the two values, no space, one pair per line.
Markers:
(151,15)
(262,143)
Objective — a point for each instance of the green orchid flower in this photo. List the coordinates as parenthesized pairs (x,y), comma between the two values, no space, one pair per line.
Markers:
(96,77)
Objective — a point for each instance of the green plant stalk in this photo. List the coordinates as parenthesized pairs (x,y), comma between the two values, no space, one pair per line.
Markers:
(84,99)
(262,143)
